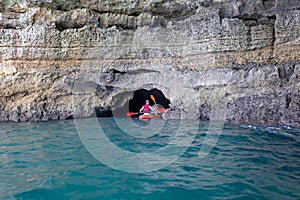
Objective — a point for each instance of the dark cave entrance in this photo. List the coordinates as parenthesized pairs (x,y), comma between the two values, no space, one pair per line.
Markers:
(134,104)
(140,97)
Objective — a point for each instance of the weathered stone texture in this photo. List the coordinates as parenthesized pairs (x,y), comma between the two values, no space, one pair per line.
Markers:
(239,57)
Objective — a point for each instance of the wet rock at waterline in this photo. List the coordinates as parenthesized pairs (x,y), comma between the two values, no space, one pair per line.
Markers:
(214,60)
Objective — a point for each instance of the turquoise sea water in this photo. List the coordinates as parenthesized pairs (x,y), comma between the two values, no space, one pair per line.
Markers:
(47,160)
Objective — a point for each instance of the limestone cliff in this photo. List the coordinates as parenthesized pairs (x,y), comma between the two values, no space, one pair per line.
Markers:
(214,59)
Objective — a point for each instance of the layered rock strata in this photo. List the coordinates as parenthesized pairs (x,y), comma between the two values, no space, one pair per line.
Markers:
(214,59)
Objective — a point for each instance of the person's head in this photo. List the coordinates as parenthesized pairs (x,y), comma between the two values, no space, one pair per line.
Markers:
(147,101)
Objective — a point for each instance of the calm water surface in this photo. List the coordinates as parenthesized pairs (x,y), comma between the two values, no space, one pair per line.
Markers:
(47,160)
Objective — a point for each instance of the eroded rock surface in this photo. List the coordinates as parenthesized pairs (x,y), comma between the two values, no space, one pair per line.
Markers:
(214,59)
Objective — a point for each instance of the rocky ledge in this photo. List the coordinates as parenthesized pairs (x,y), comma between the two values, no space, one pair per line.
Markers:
(233,60)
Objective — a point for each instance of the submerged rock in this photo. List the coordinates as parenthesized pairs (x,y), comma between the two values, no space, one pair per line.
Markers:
(215,60)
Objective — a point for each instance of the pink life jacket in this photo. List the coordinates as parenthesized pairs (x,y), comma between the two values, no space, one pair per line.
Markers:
(146,108)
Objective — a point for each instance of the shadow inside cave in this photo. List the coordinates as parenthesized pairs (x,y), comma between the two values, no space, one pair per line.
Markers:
(134,104)
(140,97)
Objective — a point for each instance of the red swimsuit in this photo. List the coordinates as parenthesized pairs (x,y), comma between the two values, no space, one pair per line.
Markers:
(146,108)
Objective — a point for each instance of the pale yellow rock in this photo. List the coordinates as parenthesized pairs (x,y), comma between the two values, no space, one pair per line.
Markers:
(7,69)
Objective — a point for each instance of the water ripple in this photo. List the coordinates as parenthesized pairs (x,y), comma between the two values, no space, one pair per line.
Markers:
(48,161)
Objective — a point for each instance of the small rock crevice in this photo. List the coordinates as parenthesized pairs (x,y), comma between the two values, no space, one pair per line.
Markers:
(285,73)
(206,3)
(267,4)
(204,111)
(251,20)
(130,12)
(63,25)
(133,72)
(288,101)
(273,36)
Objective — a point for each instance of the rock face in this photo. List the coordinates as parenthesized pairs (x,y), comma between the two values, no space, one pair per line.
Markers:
(236,60)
